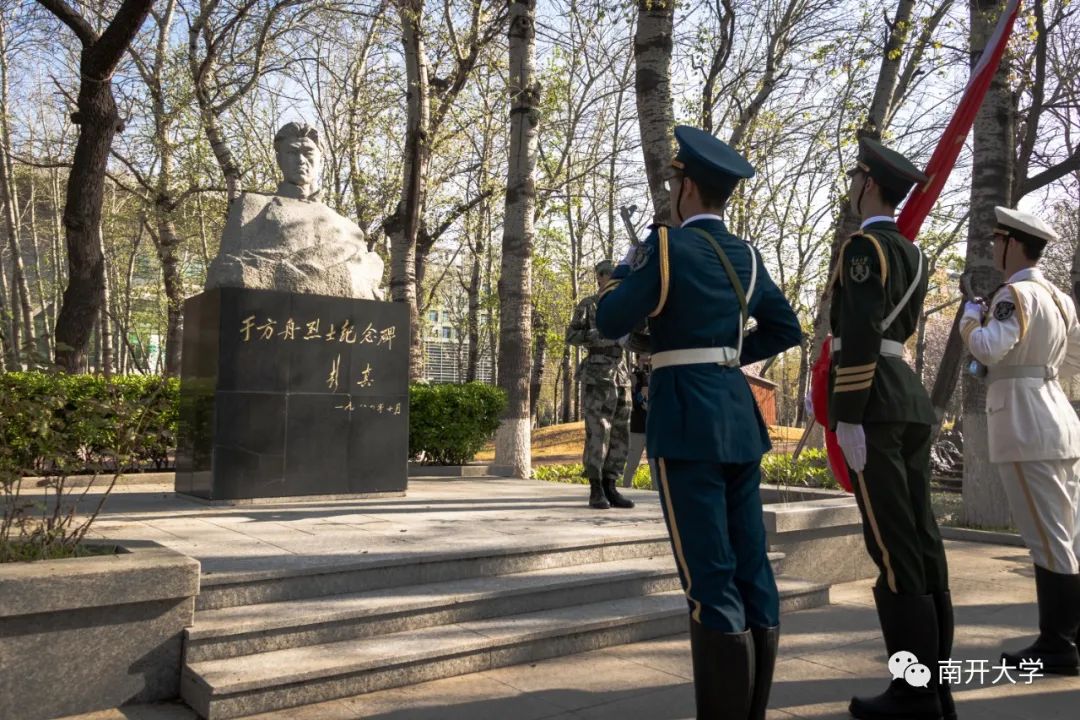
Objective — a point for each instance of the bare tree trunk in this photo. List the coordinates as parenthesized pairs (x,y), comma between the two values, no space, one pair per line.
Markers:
(57,228)
(105,327)
(1074,275)
(652,82)
(512,440)
(406,226)
(985,503)
(46,311)
(802,383)
(536,382)
(473,320)
(8,352)
(20,289)
(167,242)
(98,121)
(567,413)
(20,293)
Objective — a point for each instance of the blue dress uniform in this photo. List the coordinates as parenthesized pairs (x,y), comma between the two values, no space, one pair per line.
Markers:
(704,433)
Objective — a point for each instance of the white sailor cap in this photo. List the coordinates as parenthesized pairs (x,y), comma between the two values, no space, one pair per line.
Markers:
(1025,223)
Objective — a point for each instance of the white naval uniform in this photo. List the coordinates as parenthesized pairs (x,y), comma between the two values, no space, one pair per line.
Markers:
(1029,338)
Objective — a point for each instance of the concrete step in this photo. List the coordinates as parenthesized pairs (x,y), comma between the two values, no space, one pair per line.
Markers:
(239,686)
(249,629)
(224,590)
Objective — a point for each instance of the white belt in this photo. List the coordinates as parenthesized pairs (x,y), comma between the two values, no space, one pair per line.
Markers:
(696,356)
(889,348)
(1040,372)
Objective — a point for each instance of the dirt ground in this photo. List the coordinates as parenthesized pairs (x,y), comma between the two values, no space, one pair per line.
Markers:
(562,444)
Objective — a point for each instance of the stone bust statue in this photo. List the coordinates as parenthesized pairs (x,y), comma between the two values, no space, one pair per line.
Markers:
(292,241)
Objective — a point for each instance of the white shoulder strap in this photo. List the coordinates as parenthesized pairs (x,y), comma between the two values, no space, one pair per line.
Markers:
(907,295)
(749,294)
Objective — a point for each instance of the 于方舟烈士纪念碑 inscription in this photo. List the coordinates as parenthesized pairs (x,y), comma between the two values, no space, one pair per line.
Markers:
(287,394)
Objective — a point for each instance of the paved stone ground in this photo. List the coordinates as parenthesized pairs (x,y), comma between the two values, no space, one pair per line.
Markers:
(827,654)
(462,513)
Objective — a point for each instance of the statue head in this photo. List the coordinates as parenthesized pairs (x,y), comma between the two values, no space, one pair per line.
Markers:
(299,156)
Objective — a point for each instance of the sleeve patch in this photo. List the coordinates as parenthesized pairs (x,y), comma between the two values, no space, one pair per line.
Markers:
(1004,310)
(859,271)
(642,253)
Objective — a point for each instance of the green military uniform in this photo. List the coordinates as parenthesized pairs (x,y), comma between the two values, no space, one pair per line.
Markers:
(878,289)
(605,401)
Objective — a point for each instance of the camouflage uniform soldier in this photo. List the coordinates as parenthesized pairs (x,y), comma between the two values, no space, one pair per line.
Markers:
(605,401)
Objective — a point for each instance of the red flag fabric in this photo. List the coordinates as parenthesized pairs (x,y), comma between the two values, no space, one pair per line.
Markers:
(819,383)
(921,201)
(948,149)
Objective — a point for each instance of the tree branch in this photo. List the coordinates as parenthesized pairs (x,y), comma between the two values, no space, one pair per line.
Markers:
(1051,174)
(104,55)
(67,15)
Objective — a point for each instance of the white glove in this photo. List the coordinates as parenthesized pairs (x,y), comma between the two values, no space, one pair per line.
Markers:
(629,255)
(852,441)
(808,405)
(974,309)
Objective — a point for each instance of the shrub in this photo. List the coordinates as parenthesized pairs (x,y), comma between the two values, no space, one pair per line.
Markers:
(57,425)
(81,414)
(449,424)
(575,473)
(810,470)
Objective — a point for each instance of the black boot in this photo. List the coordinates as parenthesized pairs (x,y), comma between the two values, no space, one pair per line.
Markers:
(596,495)
(766,641)
(908,622)
(723,672)
(943,608)
(613,496)
(1059,614)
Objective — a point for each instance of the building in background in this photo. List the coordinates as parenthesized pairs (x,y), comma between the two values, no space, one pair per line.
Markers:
(446,348)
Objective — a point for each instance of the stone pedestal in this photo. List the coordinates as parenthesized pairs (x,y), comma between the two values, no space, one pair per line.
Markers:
(288,395)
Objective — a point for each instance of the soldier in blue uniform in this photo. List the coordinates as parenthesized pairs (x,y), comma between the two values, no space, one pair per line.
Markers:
(698,284)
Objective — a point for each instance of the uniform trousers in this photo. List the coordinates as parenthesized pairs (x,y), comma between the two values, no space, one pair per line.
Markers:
(893,494)
(633,459)
(606,408)
(713,516)
(1044,497)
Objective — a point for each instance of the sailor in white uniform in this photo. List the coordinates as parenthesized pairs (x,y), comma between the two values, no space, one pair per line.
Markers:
(1028,337)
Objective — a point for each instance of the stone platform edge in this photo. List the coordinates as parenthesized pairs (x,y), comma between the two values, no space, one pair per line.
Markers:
(990,537)
(142,571)
(471,470)
(290,499)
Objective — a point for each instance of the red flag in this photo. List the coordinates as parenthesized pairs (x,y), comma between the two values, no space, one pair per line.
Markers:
(942,161)
(922,200)
(820,395)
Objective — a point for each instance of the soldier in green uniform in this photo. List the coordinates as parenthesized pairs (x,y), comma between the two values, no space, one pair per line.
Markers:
(605,400)
(883,416)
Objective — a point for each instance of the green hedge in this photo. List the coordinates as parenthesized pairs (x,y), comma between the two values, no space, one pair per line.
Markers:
(574,473)
(449,424)
(58,422)
(55,421)
(810,470)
